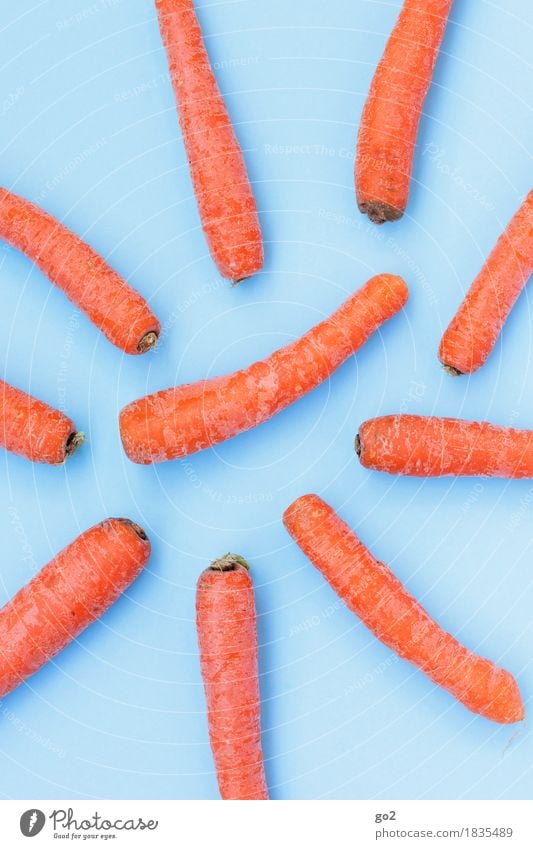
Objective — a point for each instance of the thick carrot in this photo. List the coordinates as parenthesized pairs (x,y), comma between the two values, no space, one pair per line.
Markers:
(391,115)
(227,636)
(379,599)
(429,446)
(179,421)
(67,595)
(223,193)
(73,266)
(476,326)
(34,430)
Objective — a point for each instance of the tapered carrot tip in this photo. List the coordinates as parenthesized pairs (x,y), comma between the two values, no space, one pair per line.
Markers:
(507,707)
(75,440)
(380,212)
(148,341)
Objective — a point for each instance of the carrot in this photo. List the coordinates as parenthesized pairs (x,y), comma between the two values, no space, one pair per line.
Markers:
(67,595)
(227,636)
(379,599)
(34,430)
(107,300)
(223,193)
(178,421)
(391,114)
(428,446)
(476,326)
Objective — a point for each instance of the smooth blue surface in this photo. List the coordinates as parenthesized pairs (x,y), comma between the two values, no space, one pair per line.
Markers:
(88,129)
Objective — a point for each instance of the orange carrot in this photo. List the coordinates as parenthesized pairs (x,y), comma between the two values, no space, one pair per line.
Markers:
(376,596)
(86,279)
(34,430)
(176,422)
(476,326)
(389,123)
(227,636)
(67,595)
(428,446)
(225,200)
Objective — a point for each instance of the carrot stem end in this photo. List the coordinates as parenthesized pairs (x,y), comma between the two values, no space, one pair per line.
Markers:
(74,441)
(136,528)
(229,563)
(454,372)
(380,212)
(147,342)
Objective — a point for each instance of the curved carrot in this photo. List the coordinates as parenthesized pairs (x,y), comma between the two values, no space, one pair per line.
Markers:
(429,446)
(474,330)
(223,193)
(178,421)
(227,636)
(389,123)
(376,596)
(73,266)
(67,595)
(34,430)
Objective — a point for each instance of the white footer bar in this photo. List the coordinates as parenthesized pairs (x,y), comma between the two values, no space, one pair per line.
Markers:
(268,825)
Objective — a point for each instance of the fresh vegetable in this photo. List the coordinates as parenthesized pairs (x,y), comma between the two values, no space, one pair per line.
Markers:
(475,328)
(389,123)
(86,279)
(227,636)
(34,430)
(223,193)
(67,595)
(178,421)
(395,617)
(428,446)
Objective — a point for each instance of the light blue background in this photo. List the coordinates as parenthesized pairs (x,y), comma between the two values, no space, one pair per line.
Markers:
(88,128)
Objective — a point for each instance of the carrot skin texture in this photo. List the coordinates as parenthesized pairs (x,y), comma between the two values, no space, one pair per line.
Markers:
(371,590)
(33,429)
(223,192)
(475,328)
(227,636)
(67,595)
(391,114)
(430,446)
(120,312)
(179,421)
